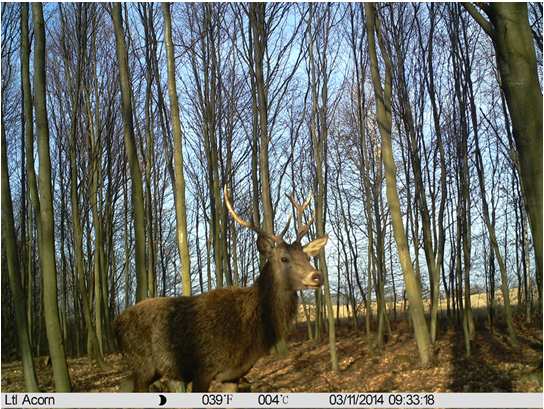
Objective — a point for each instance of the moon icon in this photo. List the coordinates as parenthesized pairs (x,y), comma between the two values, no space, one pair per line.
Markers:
(162,400)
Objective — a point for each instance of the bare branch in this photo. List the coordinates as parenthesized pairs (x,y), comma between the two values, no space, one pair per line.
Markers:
(482,22)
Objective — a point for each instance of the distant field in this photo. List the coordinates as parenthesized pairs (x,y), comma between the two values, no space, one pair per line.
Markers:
(477,301)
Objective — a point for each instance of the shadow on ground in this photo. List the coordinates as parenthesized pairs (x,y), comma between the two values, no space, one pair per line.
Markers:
(495,365)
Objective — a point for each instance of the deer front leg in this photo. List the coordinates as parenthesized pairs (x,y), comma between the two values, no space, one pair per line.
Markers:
(224,386)
(176,386)
(228,387)
(244,385)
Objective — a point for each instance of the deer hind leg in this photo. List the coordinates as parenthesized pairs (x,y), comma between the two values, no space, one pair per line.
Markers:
(201,383)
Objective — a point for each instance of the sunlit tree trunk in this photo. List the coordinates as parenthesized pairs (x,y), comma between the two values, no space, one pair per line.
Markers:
(443,186)
(357,44)
(94,351)
(495,245)
(130,146)
(127,239)
(508,28)
(319,26)
(383,112)
(146,12)
(463,209)
(259,37)
(181,216)
(432,255)
(47,239)
(34,211)
(204,65)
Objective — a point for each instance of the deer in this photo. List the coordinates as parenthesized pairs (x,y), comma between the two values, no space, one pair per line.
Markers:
(218,336)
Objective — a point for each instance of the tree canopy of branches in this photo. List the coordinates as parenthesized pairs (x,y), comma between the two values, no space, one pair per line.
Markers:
(417,127)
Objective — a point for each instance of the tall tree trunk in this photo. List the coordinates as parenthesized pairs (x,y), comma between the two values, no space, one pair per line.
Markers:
(356,40)
(259,37)
(47,239)
(181,216)
(32,186)
(461,129)
(94,351)
(509,29)
(383,112)
(320,25)
(495,245)
(207,89)
(431,249)
(14,271)
(443,186)
(30,275)
(146,16)
(525,261)
(132,154)
(127,240)
(63,289)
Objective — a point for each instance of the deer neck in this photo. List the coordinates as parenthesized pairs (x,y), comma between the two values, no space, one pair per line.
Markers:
(277,306)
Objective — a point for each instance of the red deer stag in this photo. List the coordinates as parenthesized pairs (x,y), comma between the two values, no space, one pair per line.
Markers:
(218,336)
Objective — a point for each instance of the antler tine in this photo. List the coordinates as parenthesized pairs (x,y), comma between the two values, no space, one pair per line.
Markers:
(298,213)
(311,219)
(291,198)
(302,229)
(308,200)
(235,216)
(286,227)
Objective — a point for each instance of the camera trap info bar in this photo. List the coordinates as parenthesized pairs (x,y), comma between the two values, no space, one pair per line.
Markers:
(272,400)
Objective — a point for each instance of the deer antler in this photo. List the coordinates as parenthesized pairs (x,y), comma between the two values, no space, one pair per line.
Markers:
(235,216)
(286,227)
(249,225)
(302,229)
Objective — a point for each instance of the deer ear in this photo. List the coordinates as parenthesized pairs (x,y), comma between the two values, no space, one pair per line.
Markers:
(313,247)
(265,244)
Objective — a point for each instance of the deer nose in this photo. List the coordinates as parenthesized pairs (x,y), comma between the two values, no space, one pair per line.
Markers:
(316,278)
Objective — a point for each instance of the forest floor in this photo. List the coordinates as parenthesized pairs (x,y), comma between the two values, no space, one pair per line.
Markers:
(495,366)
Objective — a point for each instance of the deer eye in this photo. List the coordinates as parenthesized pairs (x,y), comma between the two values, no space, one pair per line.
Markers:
(284,259)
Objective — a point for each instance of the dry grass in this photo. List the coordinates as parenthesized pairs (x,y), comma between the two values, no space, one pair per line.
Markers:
(477,301)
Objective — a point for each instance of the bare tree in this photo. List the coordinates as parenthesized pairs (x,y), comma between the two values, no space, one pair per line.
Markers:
(46,240)
(507,25)
(383,112)
(181,217)
(9,236)
(130,145)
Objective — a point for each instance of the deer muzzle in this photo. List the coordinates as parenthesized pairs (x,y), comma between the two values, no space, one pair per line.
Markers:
(313,280)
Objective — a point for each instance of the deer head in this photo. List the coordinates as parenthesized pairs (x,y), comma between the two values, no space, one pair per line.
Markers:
(289,262)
